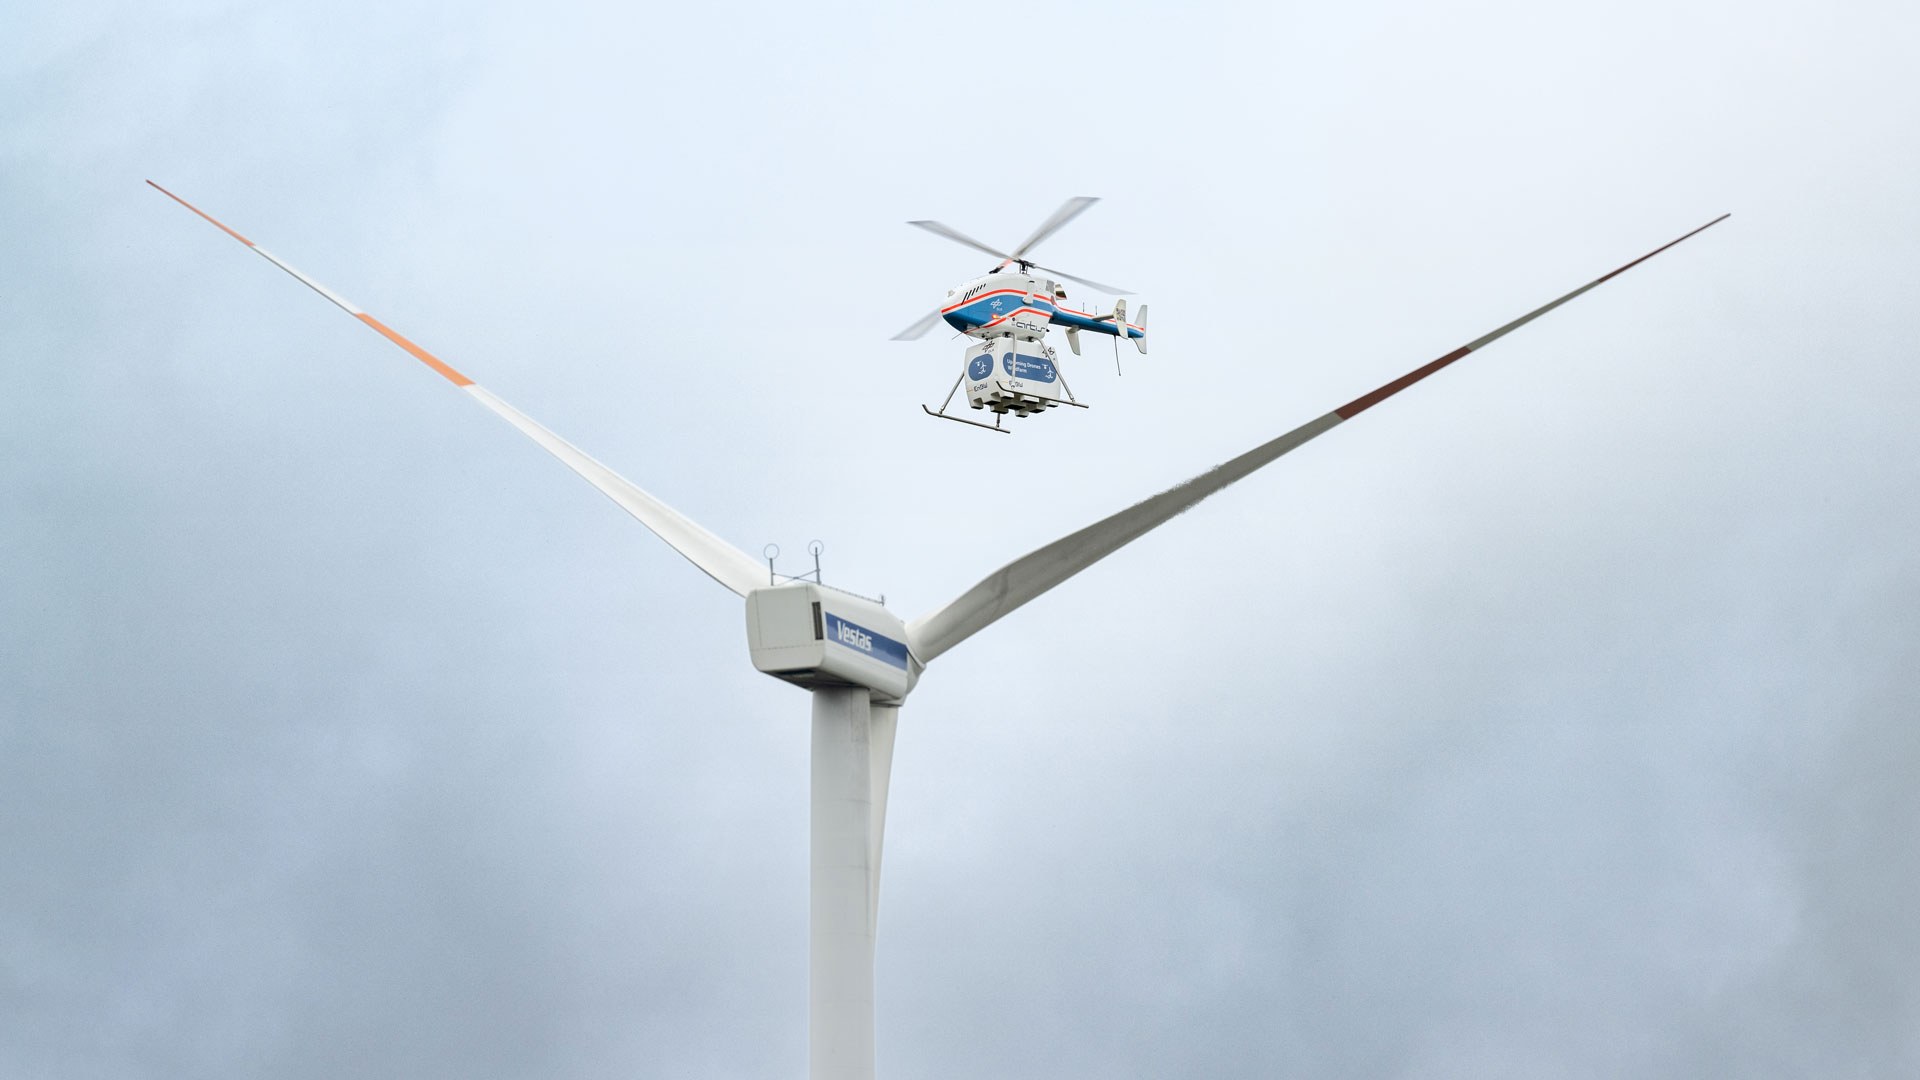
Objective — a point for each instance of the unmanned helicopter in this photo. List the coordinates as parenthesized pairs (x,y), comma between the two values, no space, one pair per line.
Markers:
(1010,309)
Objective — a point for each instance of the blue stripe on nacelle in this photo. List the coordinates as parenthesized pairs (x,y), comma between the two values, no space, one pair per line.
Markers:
(866,642)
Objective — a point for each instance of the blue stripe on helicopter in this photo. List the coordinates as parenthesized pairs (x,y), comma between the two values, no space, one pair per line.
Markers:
(980,312)
(1083,322)
(985,309)
(865,642)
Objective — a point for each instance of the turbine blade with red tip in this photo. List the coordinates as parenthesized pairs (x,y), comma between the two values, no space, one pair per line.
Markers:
(1027,577)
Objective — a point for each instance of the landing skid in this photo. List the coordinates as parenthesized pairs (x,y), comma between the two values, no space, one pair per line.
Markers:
(995,426)
(942,414)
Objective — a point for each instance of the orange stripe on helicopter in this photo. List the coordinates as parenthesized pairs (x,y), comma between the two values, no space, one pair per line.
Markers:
(201,212)
(419,353)
(1009,315)
(1090,317)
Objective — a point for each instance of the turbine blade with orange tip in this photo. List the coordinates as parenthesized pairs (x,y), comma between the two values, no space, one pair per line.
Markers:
(335,298)
(718,559)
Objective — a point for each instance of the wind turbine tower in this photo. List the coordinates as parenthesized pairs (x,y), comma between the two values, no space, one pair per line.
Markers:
(860,661)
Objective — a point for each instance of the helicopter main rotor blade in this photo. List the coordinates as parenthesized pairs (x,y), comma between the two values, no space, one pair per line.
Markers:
(1069,210)
(959,237)
(718,559)
(919,329)
(1032,574)
(1096,286)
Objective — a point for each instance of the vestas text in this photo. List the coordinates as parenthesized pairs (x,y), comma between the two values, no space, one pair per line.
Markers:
(854,636)
(866,642)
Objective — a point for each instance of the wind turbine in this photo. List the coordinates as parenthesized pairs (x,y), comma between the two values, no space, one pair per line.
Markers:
(860,661)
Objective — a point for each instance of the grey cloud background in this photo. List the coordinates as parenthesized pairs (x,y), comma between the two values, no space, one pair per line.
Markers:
(1556,719)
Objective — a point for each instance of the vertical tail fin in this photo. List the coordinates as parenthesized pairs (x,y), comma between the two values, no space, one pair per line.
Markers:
(1141,341)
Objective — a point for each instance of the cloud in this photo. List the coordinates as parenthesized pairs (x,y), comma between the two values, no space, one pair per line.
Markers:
(1554,720)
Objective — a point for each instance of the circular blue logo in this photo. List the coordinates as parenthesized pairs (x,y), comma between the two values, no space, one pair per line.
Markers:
(981,367)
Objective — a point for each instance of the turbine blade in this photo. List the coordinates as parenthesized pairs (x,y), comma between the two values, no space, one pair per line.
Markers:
(1033,574)
(959,237)
(721,561)
(1069,210)
(919,329)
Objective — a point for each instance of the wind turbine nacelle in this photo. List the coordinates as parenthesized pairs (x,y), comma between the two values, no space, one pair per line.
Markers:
(813,636)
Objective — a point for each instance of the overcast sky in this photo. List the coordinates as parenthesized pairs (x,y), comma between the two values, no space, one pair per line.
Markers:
(1556,719)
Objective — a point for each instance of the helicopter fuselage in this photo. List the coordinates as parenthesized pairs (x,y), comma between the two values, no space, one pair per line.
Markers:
(1009,367)
(987,304)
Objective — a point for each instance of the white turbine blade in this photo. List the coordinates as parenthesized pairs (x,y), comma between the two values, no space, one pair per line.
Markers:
(959,237)
(1031,575)
(721,561)
(919,329)
(1069,210)
(1027,577)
